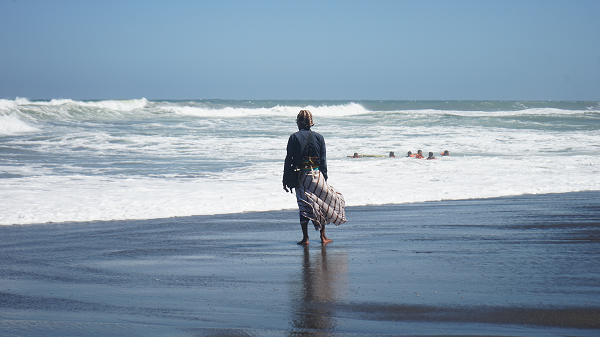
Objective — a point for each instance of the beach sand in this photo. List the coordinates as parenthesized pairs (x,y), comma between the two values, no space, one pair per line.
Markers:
(515,266)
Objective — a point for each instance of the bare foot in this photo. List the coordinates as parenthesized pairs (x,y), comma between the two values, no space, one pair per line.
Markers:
(324,239)
(303,242)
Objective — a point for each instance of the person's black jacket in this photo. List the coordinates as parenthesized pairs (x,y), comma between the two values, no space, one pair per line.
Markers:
(315,148)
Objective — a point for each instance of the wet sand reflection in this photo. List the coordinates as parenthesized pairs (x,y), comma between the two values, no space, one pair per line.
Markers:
(320,284)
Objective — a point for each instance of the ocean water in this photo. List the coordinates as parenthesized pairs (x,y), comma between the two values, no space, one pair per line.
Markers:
(67,160)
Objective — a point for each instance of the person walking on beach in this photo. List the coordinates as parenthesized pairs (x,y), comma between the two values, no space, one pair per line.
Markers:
(317,201)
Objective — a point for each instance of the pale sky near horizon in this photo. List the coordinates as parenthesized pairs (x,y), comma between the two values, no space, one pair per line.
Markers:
(393,50)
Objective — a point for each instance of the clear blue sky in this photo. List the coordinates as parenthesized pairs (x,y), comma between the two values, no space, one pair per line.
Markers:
(399,50)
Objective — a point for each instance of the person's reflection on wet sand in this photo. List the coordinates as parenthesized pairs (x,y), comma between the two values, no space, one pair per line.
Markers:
(314,298)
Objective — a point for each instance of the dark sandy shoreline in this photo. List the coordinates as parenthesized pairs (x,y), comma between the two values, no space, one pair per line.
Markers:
(517,266)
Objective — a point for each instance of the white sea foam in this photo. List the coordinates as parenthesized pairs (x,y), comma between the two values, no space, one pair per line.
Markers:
(80,161)
(7,105)
(12,125)
(322,110)
(524,112)
(367,181)
(118,105)
(349,109)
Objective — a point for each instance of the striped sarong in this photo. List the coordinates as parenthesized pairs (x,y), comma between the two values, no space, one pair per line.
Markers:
(319,201)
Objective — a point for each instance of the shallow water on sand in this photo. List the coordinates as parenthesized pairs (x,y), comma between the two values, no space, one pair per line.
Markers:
(508,266)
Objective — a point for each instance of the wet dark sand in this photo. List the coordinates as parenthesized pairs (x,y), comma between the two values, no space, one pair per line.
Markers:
(516,266)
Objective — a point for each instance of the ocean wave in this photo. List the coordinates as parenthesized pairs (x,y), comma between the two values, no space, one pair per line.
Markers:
(11,125)
(235,108)
(68,109)
(7,105)
(356,109)
(102,160)
(348,109)
(509,113)
(117,105)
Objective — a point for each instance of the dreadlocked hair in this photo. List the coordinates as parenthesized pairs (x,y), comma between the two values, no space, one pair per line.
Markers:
(304,119)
